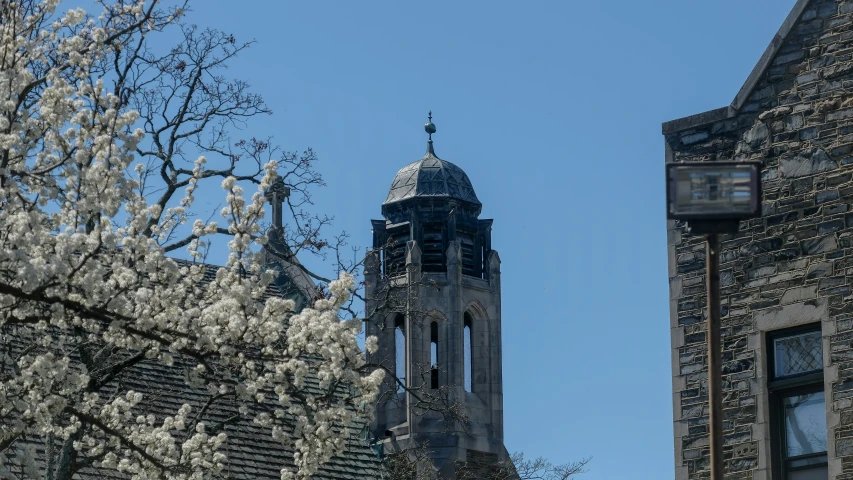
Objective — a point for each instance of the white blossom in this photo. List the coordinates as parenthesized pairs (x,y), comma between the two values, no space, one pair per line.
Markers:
(87,289)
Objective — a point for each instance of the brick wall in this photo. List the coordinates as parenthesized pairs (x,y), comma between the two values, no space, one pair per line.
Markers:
(792,266)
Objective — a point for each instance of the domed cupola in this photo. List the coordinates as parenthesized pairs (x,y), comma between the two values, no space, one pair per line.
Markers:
(432,202)
(431,181)
(433,178)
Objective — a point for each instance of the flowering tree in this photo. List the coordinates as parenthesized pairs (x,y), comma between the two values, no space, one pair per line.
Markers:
(100,137)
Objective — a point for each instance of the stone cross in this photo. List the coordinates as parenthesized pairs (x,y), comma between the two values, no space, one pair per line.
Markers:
(276,195)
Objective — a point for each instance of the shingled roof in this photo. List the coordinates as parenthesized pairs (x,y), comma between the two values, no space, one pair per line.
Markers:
(251,451)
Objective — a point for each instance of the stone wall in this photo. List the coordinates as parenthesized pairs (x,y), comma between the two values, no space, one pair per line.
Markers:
(482,466)
(792,266)
(444,298)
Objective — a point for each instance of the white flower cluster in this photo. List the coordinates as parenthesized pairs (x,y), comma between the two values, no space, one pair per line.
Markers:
(88,295)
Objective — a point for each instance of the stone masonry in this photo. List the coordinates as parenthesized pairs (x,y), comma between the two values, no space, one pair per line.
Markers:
(792,266)
(433,251)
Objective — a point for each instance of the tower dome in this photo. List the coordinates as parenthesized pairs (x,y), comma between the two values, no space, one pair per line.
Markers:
(431,177)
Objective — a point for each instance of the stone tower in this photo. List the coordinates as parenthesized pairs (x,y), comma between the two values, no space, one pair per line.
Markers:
(433,282)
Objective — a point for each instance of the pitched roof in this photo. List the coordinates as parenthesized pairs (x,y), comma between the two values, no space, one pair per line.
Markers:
(251,451)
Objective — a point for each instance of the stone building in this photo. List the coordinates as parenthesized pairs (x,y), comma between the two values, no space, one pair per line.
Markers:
(433,253)
(787,303)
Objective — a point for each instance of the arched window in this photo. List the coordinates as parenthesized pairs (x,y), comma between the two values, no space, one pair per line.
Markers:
(433,354)
(466,352)
(400,350)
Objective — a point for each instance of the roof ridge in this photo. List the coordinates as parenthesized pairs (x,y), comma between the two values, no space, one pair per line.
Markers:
(749,85)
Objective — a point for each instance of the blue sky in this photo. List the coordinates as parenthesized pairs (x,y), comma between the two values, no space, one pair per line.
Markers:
(554,111)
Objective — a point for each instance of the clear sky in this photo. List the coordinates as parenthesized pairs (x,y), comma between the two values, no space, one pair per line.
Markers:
(554,111)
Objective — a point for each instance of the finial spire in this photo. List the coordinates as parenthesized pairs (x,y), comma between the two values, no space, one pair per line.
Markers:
(276,248)
(276,194)
(430,129)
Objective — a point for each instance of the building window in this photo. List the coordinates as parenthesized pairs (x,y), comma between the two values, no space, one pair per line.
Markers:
(433,354)
(467,360)
(467,247)
(433,258)
(400,351)
(394,250)
(797,404)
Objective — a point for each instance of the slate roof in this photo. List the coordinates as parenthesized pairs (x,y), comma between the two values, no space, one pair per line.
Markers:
(431,177)
(252,453)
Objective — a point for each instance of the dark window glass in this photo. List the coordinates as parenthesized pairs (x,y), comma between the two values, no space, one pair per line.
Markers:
(797,354)
(815,473)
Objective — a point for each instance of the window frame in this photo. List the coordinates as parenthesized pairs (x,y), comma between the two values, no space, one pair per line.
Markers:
(779,389)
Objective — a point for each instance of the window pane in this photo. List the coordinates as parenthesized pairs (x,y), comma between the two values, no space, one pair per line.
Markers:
(816,473)
(798,354)
(805,424)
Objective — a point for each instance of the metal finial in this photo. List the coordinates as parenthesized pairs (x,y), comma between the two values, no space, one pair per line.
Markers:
(430,129)
(429,126)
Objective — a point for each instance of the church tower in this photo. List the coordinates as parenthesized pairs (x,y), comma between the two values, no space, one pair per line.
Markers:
(433,289)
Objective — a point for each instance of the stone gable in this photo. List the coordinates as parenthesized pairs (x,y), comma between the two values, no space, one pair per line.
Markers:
(792,266)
